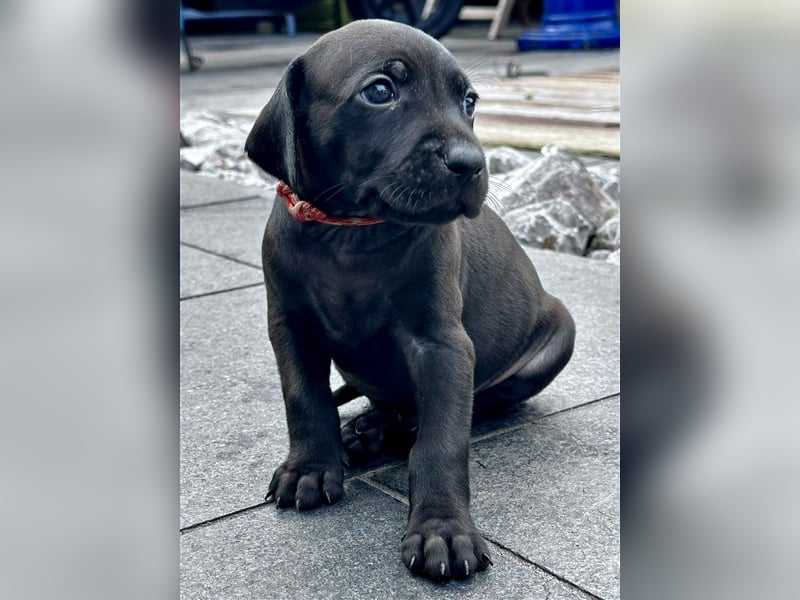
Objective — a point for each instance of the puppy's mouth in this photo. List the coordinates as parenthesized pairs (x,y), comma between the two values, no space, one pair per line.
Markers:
(430,204)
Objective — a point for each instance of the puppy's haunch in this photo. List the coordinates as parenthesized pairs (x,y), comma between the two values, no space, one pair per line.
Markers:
(429,308)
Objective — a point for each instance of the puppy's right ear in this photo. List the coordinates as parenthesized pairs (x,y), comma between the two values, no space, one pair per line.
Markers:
(272,143)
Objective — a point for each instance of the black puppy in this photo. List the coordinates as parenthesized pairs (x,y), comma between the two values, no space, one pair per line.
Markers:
(380,257)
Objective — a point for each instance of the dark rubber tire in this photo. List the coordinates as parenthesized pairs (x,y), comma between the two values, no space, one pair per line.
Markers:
(441,20)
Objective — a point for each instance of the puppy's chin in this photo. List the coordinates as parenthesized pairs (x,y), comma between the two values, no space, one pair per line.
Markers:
(436,215)
(424,206)
(472,209)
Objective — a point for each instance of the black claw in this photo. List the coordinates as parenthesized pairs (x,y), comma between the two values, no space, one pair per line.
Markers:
(487,558)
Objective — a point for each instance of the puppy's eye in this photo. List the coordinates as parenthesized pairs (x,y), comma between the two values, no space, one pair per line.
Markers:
(378,93)
(469,105)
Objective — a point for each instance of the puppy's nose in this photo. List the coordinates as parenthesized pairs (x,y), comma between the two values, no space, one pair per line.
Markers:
(464,160)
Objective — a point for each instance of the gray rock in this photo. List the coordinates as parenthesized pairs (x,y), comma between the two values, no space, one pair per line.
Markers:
(504,159)
(552,224)
(561,174)
(606,176)
(613,258)
(193,158)
(599,254)
(221,136)
(554,202)
(208,127)
(607,237)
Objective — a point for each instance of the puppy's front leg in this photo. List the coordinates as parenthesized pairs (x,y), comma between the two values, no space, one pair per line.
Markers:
(441,540)
(312,473)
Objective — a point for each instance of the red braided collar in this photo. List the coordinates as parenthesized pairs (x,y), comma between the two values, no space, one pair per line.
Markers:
(305,211)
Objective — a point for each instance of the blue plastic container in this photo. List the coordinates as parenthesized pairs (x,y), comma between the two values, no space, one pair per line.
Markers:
(574,24)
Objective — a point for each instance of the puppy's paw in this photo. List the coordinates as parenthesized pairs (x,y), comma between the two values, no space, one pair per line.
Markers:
(375,434)
(443,549)
(306,486)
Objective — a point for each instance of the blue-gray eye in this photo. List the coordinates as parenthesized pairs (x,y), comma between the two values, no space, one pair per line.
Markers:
(377,93)
(469,105)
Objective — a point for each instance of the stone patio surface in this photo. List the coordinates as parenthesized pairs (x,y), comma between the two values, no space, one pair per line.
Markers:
(544,478)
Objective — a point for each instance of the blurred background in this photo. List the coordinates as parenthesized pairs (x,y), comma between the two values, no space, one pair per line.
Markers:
(323,15)
(88,260)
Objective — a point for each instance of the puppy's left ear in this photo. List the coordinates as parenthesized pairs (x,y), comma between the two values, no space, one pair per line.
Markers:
(272,143)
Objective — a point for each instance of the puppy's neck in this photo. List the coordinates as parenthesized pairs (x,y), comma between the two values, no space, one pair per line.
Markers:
(306,212)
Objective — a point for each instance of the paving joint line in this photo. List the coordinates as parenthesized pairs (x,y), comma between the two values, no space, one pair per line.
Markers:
(220,202)
(391,492)
(550,572)
(510,428)
(220,255)
(215,292)
(213,520)
(379,469)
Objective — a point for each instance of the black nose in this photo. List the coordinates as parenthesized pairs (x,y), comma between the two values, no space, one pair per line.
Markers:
(464,160)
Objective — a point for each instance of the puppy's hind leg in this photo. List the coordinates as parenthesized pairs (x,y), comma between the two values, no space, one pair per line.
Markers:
(547,362)
(345,394)
(378,435)
(373,434)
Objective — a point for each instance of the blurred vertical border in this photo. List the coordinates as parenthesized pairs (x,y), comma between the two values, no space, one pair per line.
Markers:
(711,285)
(88,303)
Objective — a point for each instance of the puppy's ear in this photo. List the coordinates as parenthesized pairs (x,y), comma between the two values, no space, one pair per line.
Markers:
(272,143)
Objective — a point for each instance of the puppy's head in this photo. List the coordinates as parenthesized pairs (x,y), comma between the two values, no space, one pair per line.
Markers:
(375,119)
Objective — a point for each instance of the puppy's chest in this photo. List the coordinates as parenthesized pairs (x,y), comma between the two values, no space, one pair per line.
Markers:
(351,308)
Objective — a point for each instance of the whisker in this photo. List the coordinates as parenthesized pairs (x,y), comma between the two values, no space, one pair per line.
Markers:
(421,196)
(471,68)
(398,191)
(417,201)
(496,205)
(386,189)
(496,182)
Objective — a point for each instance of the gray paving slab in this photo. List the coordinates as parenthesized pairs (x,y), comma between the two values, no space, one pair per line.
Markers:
(590,290)
(199,189)
(233,431)
(576,279)
(204,273)
(549,491)
(234,230)
(347,551)
(560,496)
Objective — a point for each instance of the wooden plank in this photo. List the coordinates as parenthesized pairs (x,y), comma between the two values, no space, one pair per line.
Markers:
(546,99)
(586,116)
(584,140)
(538,93)
(609,84)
